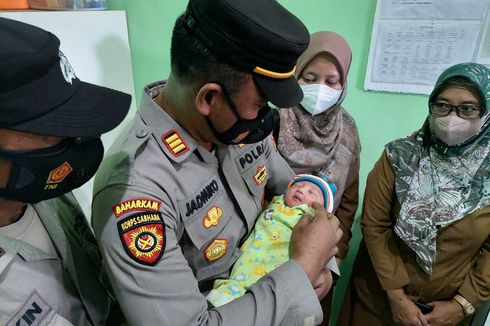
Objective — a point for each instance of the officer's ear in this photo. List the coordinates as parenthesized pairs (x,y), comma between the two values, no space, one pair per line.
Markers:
(207,97)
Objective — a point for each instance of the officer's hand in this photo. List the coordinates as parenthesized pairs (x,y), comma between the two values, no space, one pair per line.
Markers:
(323,283)
(314,241)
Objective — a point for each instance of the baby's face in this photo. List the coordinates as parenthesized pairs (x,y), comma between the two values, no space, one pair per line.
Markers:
(303,192)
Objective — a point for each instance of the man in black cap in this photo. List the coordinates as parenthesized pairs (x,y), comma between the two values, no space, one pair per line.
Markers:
(50,127)
(182,188)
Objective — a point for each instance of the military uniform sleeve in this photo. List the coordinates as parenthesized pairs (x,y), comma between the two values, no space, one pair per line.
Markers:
(377,226)
(475,287)
(156,285)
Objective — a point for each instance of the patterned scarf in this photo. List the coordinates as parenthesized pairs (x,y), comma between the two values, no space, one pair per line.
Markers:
(436,184)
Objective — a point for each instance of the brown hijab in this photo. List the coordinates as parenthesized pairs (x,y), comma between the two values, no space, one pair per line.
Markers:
(326,144)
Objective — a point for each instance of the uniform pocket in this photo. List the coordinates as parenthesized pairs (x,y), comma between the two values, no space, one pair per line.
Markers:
(211,252)
(251,164)
(208,222)
(255,178)
(211,231)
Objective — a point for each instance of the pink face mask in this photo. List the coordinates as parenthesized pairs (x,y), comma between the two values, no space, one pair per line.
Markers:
(453,130)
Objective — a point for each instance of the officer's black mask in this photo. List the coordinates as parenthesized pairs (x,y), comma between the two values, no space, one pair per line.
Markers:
(258,128)
(46,173)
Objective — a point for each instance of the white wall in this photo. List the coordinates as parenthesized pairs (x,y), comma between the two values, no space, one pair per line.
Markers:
(96,44)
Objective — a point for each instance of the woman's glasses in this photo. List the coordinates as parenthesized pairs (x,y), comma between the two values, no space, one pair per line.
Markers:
(465,111)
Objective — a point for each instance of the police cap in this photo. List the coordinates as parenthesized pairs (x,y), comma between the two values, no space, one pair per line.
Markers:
(255,36)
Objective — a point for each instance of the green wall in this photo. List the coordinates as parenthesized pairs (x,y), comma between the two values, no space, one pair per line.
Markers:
(380,116)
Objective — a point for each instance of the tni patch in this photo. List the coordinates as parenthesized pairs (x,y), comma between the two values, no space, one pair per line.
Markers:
(57,175)
(143,237)
(175,144)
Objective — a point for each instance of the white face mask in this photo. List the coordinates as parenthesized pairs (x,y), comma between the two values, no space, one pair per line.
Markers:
(453,130)
(319,98)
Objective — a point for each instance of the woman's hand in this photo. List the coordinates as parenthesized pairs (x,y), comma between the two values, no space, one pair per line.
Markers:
(445,313)
(403,310)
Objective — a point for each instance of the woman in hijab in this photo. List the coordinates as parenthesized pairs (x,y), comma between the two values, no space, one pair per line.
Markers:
(318,136)
(426,215)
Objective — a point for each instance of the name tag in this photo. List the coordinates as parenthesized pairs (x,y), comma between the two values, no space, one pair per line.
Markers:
(202,197)
(31,313)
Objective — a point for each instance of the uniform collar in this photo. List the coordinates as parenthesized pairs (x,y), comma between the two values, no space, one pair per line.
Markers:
(174,141)
(28,252)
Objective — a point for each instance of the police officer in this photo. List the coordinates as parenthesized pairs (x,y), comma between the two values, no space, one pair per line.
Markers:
(181,189)
(50,123)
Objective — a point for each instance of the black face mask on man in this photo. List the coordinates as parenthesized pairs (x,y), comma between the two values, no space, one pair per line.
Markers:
(258,129)
(46,173)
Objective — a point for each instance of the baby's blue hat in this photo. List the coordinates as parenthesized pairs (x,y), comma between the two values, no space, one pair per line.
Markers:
(328,189)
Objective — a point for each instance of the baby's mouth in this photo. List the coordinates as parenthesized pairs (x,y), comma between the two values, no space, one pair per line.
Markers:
(297,198)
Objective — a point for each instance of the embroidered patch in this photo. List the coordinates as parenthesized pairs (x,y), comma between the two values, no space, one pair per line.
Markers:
(57,175)
(260,174)
(215,250)
(252,154)
(212,217)
(32,312)
(175,144)
(202,197)
(143,237)
(66,69)
(136,204)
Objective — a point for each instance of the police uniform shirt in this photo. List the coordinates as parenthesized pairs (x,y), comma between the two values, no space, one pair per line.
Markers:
(42,287)
(169,217)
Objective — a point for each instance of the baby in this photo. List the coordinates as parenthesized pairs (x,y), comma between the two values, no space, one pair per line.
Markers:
(267,246)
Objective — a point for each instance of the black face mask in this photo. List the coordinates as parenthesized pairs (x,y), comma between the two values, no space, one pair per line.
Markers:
(50,172)
(258,128)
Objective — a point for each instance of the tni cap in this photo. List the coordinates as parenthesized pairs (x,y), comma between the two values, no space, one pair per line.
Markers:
(40,92)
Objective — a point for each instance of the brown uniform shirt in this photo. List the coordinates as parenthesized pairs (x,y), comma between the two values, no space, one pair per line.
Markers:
(384,262)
